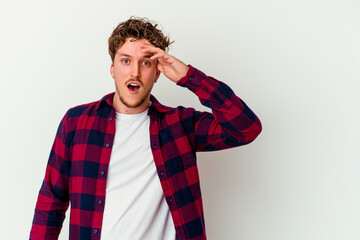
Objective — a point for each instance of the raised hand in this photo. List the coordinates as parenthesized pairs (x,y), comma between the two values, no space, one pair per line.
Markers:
(170,66)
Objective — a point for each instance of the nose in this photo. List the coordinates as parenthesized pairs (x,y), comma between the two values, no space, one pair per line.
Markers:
(135,71)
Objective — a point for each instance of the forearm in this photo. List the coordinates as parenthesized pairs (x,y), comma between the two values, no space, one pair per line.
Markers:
(53,198)
(232,122)
(50,209)
(47,224)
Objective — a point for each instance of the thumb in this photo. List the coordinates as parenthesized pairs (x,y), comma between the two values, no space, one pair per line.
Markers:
(159,67)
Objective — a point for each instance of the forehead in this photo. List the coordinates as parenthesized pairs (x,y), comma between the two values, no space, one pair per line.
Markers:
(132,46)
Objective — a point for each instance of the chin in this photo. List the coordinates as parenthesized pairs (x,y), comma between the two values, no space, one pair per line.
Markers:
(132,104)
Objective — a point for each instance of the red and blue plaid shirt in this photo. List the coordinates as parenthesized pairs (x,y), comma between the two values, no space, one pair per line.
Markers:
(78,163)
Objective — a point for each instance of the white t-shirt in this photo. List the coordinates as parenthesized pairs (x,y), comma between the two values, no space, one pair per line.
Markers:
(135,206)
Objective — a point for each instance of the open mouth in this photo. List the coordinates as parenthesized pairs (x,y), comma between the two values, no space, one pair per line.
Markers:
(133,87)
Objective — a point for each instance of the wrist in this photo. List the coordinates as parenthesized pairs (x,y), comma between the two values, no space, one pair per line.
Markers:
(188,75)
(182,73)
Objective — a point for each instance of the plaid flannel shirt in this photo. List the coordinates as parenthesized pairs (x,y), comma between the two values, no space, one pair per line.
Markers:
(78,163)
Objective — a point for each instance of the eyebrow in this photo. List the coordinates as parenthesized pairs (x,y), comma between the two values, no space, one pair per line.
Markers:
(124,55)
(127,55)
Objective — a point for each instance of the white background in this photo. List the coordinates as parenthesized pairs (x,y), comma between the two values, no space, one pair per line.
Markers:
(295,63)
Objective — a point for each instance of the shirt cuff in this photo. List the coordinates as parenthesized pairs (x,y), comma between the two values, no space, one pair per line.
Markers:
(192,79)
(187,77)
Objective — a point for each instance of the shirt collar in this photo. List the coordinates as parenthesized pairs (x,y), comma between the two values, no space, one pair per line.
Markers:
(107,99)
(155,104)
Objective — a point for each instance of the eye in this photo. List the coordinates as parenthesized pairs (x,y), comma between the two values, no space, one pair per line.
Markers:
(146,63)
(125,61)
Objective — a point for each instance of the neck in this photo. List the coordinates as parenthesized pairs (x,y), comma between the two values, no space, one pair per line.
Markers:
(120,107)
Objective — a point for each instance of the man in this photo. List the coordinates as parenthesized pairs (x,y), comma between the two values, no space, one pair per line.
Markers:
(127,163)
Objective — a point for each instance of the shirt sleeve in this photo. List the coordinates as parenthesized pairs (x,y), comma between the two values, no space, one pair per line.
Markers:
(53,198)
(232,123)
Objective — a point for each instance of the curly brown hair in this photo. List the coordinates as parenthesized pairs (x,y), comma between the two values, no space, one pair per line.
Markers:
(138,28)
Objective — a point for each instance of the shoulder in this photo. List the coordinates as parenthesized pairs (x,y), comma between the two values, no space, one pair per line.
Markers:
(88,109)
(167,111)
(83,109)
(181,115)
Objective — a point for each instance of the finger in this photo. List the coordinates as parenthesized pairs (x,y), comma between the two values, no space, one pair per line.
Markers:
(157,56)
(160,67)
(152,53)
(150,48)
(147,42)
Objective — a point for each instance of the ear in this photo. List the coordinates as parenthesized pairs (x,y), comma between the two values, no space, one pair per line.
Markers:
(157,74)
(112,69)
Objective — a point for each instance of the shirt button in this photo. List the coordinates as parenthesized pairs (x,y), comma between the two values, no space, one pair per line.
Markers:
(96,231)
(107,145)
(170,200)
(99,202)
(191,78)
(155,146)
(162,173)
(102,173)
(110,118)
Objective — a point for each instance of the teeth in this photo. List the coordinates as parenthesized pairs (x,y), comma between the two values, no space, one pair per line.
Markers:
(134,84)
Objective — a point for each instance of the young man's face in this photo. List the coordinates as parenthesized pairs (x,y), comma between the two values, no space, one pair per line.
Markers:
(134,74)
